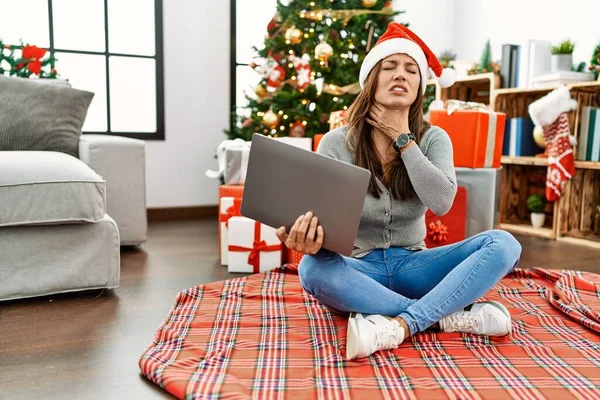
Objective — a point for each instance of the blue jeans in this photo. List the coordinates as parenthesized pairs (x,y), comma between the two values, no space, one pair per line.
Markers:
(421,287)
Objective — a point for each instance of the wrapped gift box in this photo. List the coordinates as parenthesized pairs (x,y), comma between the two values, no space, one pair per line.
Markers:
(316,140)
(483,197)
(228,207)
(477,136)
(337,119)
(236,164)
(291,256)
(305,143)
(451,227)
(231,191)
(232,159)
(253,247)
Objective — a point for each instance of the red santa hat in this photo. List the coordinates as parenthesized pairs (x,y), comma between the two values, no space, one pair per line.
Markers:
(399,39)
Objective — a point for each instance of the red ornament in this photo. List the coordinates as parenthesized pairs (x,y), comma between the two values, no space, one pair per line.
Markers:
(301,64)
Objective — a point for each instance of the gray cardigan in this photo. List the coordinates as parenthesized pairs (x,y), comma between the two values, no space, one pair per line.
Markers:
(387,222)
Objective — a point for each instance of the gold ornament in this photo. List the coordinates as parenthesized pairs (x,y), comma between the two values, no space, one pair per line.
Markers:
(260,90)
(294,35)
(323,52)
(369,3)
(538,136)
(270,119)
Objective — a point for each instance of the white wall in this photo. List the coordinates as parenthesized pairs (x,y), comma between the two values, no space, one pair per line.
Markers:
(196,54)
(431,20)
(516,21)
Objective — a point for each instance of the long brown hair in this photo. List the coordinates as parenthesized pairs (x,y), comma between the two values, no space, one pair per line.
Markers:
(360,141)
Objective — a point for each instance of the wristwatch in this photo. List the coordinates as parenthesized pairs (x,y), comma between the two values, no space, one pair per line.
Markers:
(403,140)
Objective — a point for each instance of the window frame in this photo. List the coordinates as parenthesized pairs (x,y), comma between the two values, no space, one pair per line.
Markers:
(159,134)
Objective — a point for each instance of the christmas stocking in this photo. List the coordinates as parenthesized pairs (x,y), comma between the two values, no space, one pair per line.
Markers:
(550,112)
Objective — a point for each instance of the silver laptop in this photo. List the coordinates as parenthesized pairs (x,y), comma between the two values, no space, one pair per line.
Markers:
(284,182)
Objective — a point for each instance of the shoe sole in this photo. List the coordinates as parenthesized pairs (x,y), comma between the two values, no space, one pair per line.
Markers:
(505,311)
(351,339)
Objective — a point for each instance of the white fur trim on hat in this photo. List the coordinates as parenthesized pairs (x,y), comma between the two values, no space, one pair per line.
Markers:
(395,46)
(547,109)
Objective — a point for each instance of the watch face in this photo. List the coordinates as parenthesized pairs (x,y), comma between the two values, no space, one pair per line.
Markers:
(403,140)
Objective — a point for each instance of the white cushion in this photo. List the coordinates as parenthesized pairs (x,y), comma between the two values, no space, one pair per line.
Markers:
(45,187)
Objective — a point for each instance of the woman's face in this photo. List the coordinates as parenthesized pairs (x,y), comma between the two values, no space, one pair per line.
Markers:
(398,82)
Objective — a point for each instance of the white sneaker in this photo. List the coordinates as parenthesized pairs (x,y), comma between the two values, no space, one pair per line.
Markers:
(366,335)
(488,318)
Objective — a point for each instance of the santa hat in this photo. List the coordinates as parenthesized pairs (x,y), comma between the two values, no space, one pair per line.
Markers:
(399,39)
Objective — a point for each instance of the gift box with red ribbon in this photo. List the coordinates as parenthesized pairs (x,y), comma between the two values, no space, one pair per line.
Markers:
(291,256)
(476,136)
(451,227)
(253,247)
(337,119)
(228,207)
(235,192)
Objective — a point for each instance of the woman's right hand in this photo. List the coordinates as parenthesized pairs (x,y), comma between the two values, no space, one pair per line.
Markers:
(306,235)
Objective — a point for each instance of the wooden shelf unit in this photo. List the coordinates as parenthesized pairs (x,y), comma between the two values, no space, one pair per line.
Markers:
(573,218)
(478,88)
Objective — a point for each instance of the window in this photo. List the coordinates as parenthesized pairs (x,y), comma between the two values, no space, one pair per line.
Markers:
(249,20)
(110,47)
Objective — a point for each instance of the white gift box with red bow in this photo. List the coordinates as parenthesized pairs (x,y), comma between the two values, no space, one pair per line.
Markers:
(253,247)
(229,207)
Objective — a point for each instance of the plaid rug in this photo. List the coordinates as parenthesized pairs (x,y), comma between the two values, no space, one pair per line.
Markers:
(262,336)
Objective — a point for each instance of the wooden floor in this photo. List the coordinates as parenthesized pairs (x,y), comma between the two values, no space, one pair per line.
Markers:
(86,345)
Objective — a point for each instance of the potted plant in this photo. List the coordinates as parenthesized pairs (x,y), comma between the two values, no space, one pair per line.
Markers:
(536,204)
(562,56)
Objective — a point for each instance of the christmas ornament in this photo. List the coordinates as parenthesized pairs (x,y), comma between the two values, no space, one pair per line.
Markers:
(323,51)
(270,119)
(273,24)
(369,3)
(538,136)
(294,35)
(272,72)
(301,64)
(297,130)
(260,90)
(550,112)
(247,122)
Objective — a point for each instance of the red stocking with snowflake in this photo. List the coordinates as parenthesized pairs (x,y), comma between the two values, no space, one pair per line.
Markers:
(550,112)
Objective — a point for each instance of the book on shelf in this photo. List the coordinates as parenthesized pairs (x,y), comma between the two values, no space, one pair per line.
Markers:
(518,138)
(509,67)
(589,136)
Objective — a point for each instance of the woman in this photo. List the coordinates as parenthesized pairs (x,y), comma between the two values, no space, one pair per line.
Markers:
(401,287)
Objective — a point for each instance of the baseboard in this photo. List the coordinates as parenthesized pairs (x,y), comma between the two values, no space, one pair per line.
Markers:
(177,213)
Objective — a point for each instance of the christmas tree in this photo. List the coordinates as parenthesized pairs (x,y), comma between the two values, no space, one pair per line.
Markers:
(310,65)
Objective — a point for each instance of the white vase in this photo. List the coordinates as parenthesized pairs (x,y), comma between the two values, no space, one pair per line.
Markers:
(538,219)
(561,62)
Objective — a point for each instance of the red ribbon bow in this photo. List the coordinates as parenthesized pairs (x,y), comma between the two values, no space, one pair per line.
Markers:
(257,247)
(233,211)
(438,232)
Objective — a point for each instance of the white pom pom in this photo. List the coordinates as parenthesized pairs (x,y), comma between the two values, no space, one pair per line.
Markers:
(447,78)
